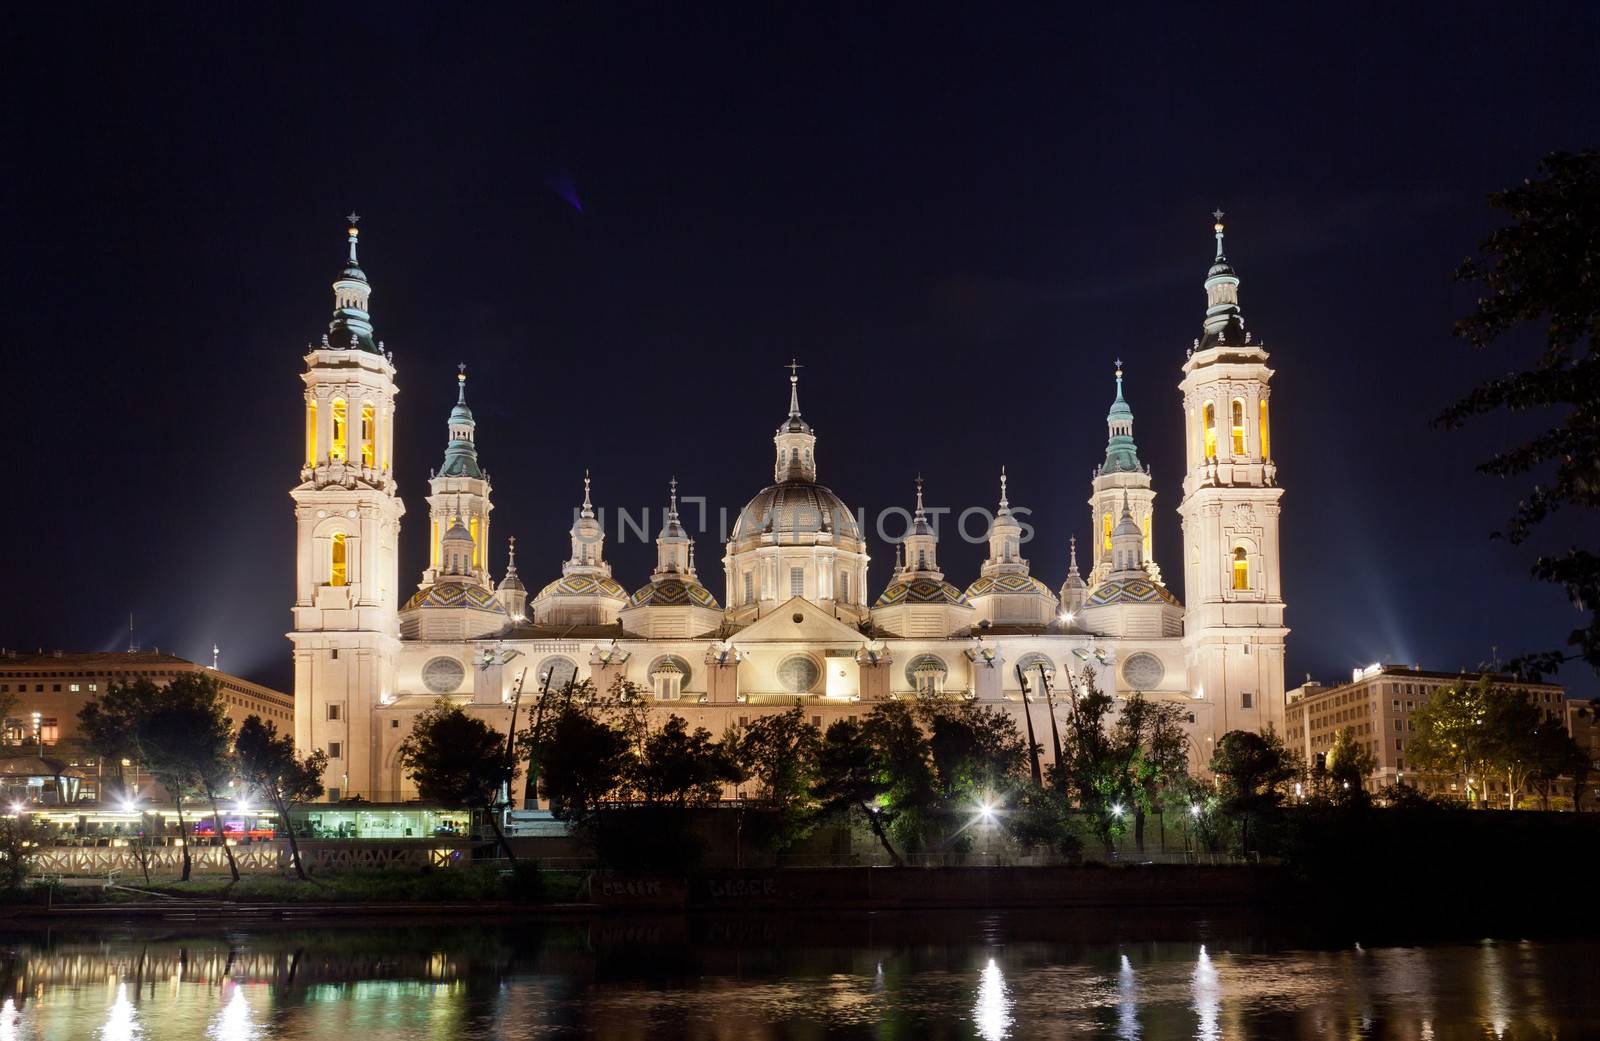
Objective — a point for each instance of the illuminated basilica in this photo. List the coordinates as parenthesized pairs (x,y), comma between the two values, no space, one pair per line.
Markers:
(796,619)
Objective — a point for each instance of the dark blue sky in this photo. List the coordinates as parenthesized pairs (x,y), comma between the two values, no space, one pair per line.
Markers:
(956,218)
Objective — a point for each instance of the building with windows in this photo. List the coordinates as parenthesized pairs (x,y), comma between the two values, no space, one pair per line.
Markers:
(46,691)
(1379,704)
(791,616)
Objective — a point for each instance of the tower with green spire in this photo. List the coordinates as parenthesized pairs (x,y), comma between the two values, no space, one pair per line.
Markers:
(1120,476)
(460,488)
(347,535)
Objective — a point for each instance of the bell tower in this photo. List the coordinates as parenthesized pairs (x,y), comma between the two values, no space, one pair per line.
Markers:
(1233,627)
(347,531)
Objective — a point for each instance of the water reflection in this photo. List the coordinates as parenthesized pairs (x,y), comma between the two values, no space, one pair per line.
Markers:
(946,977)
(122,1021)
(1127,1003)
(992,1013)
(1207,996)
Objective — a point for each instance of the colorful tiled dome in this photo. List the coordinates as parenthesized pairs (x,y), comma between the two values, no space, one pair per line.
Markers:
(1008,583)
(1135,590)
(584,585)
(921,591)
(673,592)
(455,594)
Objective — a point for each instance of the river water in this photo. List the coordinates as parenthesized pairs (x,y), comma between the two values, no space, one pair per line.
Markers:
(924,975)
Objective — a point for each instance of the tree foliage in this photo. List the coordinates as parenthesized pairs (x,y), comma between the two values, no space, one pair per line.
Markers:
(1253,771)
(269,764)
(457,759)
(1544,268)
(779,753)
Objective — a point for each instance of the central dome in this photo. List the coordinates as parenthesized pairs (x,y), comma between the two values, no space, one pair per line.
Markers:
(790,509)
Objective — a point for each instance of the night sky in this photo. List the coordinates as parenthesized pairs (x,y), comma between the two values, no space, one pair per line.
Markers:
(625,221)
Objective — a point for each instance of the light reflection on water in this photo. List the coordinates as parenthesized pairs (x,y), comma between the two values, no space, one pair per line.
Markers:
(990,978)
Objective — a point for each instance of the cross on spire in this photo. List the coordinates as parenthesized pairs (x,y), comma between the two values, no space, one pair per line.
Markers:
(794,368)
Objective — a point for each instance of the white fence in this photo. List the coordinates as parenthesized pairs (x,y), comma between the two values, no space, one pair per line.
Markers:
(255,858)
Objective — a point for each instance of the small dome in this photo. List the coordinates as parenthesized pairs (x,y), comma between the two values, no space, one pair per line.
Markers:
(922,591)
(673,592)
(795,508)
(454,594)
(1127,526)
(1136,590)
(1221,267)
(584,585)
(1010,583)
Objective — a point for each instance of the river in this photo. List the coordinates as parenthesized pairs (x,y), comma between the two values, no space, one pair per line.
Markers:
(923,975)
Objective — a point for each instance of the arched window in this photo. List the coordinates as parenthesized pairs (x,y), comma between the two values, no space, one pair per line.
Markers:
(338,562)
(311,432)
(433,555)
(1105,524)
(473,529)
(336,450)
(1210,422)
(1148,555)
(369,437)
(1238,426)
(1241,569)
(1266,437)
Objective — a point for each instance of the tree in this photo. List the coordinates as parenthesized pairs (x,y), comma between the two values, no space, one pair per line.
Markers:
(183,735)
(978,754)
(1094,770)
(1450,738)
(850,781)
(459,760)
(678,766)
(269,764)
(110,724)
(779,753)
(581,759)
(902,756)
(19,844)
(1348,765)
(1542,267)
(1150,739)
(1253,769)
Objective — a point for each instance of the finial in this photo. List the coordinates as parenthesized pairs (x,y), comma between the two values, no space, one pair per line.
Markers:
(1072,553)
(461,383)
(1217,227)
(794,368)
(899,562)
(673,495)
(919,495)
(354,218)
(588,507)
(511,555)
(1004,505)
(1126,512)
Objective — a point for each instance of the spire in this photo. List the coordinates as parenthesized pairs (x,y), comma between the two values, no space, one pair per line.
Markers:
(1121,454)
(1224,322)
(1072,555)
(351,326)
(1005,506)
(795,441)
(511,580)
(588,507)
(588,538)
(461,452)
(461,384)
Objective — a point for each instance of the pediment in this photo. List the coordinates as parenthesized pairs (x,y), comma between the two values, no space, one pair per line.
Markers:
(815,626)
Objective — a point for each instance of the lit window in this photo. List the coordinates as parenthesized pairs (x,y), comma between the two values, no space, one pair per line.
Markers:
(473,531)
(1148,555)
(338,566)
(1105,525)
(336,450)
(1266,438)
(311,433)
(1238,426)
(1241,569)
(369,436)
(1211,430)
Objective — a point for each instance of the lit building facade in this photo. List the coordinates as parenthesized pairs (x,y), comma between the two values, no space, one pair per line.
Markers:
(795,618)
(1380,703)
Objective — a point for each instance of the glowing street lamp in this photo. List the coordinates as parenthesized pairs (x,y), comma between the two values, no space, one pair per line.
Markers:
(1194,811)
